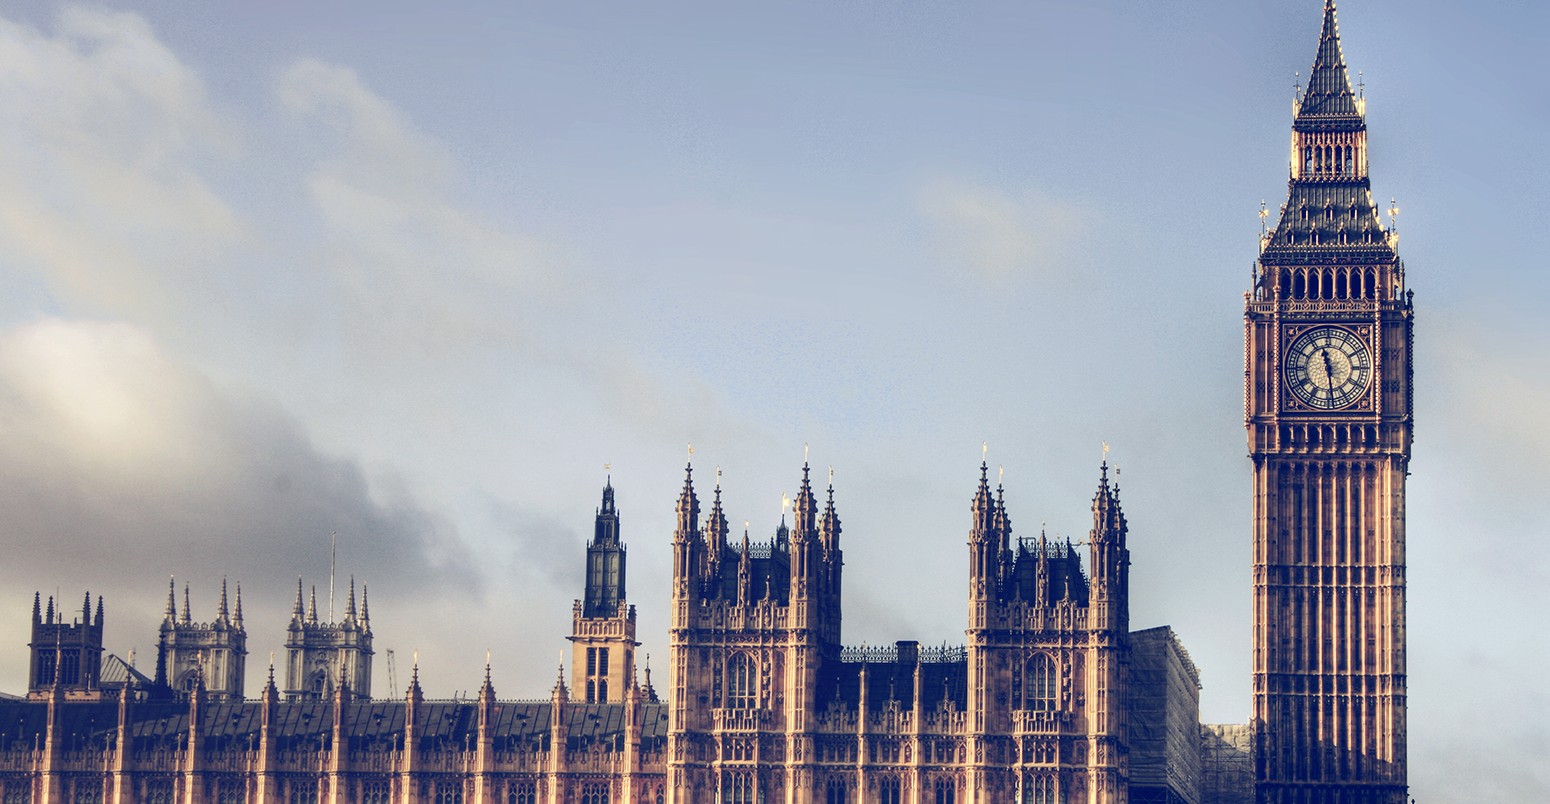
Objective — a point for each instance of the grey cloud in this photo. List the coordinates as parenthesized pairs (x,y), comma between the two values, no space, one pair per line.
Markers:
(119,467)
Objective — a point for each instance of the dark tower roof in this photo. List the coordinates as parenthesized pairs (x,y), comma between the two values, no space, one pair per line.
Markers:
(605,561)
(1329,97)
(1329,215)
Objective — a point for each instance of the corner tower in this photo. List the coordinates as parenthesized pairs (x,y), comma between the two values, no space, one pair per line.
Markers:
(214,653)
(319,654)
(602,622)
(1328,412)
(65,654)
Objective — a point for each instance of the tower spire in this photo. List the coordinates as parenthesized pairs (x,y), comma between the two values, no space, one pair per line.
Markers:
(222,612)
(188,615)
(1329,82)
(172,599)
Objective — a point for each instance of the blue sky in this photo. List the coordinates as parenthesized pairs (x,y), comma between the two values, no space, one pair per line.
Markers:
(414,274)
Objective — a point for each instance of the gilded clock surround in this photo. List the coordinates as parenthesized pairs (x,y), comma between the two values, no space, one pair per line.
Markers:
(1345,353)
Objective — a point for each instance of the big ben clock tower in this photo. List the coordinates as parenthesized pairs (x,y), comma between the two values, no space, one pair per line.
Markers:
(1328,411)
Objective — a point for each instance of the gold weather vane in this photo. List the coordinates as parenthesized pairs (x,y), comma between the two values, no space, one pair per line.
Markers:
(1105,452)
(1000,474)
(804,452)
(785,502)
(691,452)
(984,451)
(831,474)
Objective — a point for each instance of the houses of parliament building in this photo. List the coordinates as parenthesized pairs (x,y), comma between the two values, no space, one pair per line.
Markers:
(1050,698)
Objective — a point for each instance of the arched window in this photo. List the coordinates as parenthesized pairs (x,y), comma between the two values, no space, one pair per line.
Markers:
(522,793)
(742,682)
(376,793)
(834,793)
(1038,789)
(888,790)
(946,790)
(737,787)
(1040,685)
(157,792)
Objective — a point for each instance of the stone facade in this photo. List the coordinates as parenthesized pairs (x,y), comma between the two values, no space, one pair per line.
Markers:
(768,705)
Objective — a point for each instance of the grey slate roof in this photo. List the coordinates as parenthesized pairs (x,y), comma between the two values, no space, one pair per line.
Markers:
(454,722)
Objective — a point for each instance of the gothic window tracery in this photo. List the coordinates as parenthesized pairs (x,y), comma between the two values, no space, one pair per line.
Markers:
(1039,684)
(1039,789)
(742,682)
(946,790)
(737,787)
(834,791)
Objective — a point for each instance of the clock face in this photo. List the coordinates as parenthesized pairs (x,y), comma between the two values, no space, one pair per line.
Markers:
(1328,368)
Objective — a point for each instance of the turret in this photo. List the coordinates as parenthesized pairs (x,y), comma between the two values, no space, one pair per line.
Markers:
(805,546)
(605,581)
(223,611)
(687,546)
(718,538)
(984,542)
(1110,559)
(298,614)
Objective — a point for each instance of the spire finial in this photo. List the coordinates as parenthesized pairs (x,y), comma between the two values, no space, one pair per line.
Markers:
(239,604)
(188,615)
(172,598)
(221,611)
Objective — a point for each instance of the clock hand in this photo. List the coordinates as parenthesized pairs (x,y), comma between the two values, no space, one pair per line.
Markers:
(1329,369)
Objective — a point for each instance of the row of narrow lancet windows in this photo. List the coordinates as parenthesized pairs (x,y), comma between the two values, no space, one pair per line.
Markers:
(1331,284)
(1329,160)
(69,668)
